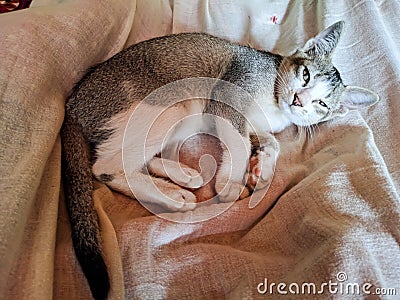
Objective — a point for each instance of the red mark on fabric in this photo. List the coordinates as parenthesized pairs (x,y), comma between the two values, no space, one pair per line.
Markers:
(274,19)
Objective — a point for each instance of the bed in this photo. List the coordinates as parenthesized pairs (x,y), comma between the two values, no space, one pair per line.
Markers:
(331,215)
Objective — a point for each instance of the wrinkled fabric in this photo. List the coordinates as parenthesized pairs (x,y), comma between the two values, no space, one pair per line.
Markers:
(332,213)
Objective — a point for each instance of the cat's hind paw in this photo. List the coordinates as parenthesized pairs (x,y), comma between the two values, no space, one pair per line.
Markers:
(192,179)
(228,191)
(179,173)
(180,200)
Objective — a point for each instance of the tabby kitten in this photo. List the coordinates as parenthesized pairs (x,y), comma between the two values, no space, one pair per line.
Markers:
(302,89)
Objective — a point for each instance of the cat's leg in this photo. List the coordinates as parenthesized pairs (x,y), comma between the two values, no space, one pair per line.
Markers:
(144,186)
(229,106)
(265,151)
(153,190)
(177,172)
(235,156)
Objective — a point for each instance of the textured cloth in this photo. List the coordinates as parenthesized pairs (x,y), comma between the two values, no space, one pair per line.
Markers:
(331,213)
(43,51)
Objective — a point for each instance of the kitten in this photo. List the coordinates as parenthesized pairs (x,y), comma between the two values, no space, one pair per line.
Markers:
(272,93)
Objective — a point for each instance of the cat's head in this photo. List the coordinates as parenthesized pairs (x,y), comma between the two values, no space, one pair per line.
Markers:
(309,88)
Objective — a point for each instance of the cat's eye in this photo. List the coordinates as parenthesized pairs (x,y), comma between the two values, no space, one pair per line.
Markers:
(320,102)
(306,75)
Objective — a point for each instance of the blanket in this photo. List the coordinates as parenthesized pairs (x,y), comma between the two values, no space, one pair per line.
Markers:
(329,225)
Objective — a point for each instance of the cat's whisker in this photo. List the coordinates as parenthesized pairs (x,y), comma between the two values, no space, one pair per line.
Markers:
(286,71)
(306,131)
(282,89)
(283,78)
(282,74)
(308,127)
(312,132)
(281,82)
(317,128)
(300,133)
(314,129)
(305,128)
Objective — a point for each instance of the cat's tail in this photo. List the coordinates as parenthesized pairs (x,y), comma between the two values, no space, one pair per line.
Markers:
(78,186)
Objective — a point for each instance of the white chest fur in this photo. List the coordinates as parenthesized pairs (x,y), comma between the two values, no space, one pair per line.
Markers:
(264,115)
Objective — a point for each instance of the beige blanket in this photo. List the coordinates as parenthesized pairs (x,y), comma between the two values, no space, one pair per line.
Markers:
(331,218)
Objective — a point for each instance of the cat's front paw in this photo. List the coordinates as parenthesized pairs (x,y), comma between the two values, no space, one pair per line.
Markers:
(261,170)
(190,179)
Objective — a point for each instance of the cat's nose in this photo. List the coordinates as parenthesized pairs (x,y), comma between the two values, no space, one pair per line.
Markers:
(302,98)
(296,100)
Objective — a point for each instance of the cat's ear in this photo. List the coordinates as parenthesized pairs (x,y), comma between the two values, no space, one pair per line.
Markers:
(325,42)
(354,97)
